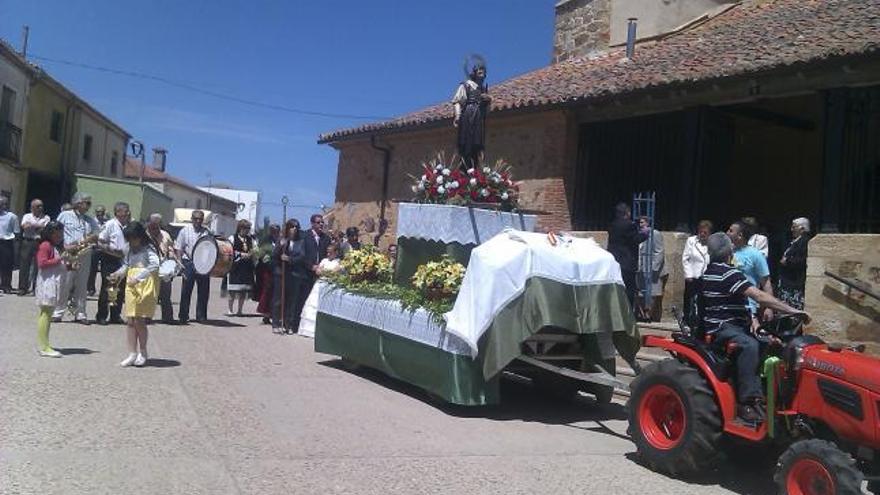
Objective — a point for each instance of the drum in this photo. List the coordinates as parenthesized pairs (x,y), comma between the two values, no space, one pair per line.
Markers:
(212,256)
(169,269)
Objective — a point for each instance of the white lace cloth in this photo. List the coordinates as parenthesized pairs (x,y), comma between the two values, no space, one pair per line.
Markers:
(499,268)
(446,223)
(388,316)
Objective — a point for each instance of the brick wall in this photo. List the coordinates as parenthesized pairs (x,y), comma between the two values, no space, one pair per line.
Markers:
(583,27)
(539,147)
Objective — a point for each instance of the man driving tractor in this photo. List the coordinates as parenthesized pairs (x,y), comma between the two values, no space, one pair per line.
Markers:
(727,319)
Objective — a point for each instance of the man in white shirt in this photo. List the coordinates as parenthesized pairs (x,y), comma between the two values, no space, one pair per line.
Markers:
(9,228)
(80,232)
(111,249)
(31,225)
(186,241)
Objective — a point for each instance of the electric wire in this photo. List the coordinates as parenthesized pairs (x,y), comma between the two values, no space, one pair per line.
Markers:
(214,94)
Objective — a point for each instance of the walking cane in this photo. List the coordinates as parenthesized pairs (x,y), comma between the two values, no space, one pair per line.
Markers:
(283,279)
(284,202)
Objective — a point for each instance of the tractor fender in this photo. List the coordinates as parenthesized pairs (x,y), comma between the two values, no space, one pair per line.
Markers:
(725,394)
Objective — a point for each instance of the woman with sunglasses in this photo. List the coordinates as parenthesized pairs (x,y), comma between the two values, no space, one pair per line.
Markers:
(291,274)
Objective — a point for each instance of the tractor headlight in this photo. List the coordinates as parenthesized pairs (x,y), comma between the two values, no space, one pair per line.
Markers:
(798,361)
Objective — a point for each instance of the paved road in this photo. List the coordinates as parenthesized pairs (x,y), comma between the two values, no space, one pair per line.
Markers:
(230,408)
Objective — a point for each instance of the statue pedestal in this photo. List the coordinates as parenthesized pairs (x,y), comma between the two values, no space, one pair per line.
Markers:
(427,231)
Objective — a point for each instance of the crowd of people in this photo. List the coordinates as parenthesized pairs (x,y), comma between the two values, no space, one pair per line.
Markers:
(728,289)
(631,240)
(62,261)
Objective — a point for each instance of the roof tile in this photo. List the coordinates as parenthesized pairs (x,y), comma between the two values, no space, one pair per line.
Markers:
(757,35)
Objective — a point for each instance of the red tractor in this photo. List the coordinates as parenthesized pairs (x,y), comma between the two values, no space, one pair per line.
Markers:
(823,410)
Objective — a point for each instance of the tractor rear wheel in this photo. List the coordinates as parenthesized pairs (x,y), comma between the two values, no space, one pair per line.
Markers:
(673,418)
(817,467)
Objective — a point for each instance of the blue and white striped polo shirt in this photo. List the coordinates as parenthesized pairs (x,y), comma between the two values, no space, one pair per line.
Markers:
(724,299)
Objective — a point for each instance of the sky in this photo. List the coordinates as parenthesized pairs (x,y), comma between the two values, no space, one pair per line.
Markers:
(375,58)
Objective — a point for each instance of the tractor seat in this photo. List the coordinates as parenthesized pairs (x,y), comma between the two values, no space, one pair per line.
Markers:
(730,349)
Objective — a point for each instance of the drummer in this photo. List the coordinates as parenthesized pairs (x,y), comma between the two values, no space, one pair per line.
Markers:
(165,245)
(186,241)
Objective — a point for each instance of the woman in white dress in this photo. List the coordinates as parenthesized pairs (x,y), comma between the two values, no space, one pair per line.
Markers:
(51,270)
(327,266)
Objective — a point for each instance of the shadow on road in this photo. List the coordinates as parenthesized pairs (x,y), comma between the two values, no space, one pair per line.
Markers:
(75,351)
(519,401)
(737,478)
(162,363)
(222,324)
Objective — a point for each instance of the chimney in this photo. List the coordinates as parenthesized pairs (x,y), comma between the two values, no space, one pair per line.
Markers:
(583,27)
(159,158)
(631,37)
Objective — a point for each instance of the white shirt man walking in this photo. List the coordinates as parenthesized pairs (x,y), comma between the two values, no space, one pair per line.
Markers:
(31,225)
(80,232)
(111,249)
(9,228)
(186,241)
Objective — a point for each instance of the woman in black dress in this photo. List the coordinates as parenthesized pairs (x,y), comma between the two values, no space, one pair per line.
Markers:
(240,280)
(290,275)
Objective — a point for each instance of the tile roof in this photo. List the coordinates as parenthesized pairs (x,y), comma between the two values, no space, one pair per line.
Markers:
(755,36)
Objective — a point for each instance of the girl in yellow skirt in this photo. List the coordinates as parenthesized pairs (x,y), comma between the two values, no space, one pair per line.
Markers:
(140,269)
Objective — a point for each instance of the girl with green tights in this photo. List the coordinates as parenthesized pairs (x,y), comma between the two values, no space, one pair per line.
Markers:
(52,270)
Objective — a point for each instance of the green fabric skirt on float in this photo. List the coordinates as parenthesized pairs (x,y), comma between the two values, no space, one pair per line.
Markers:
(598,313)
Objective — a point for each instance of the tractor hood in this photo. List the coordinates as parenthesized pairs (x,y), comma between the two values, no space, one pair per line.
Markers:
(853,367)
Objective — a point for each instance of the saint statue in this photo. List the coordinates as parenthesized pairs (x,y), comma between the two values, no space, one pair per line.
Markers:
(471,103)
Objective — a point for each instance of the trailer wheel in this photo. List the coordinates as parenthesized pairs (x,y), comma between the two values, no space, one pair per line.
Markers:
(817,467)
(673,418)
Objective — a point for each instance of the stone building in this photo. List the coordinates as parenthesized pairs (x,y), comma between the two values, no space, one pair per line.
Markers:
(769,108)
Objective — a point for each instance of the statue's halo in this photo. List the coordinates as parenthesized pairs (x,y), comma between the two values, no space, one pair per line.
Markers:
(473,61)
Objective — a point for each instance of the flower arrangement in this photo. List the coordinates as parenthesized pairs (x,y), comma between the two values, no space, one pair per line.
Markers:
(444,183)
(367,264)
(439,279)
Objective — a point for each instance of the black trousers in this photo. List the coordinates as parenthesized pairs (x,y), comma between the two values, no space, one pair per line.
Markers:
(27,262)
(629,281)
(165,301)
(191,279)
(293,301)
(7,262)
(748,385)
(109,264)
(689,305)
(93,273)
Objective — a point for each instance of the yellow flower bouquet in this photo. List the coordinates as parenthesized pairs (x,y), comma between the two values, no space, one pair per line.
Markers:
(367,264)
(439,279)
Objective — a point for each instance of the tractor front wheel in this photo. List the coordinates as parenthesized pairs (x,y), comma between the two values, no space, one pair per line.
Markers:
(817,467)
(673,418)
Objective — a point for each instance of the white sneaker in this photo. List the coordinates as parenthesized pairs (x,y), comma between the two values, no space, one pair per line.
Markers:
(50,353)
(129,360)
(141,359)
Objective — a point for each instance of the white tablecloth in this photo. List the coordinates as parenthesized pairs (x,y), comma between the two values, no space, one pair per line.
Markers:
(388,316)
(446,223)
(499,268)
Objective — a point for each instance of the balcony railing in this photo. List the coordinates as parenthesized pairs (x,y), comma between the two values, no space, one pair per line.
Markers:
(10,142)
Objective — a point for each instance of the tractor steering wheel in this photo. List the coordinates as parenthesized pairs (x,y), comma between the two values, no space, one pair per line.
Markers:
(784,327)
